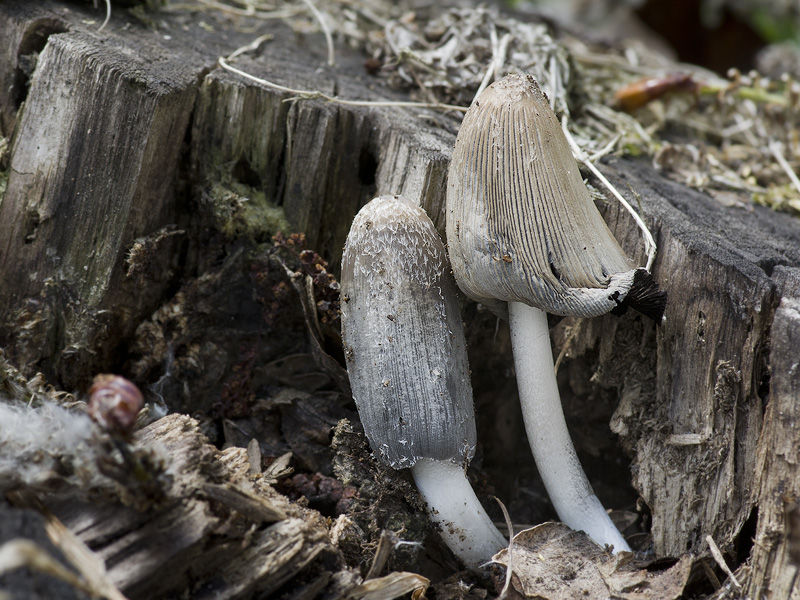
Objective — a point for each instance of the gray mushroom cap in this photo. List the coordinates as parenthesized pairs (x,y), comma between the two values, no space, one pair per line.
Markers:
(403,337)
(521,226)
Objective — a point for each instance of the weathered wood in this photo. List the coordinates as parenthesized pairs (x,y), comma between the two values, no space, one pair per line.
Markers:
(22,41)
(696,438)
(319,162)
(773,571)
(693,391)
(93,166)
(26,524)
(113,158)
(215,541)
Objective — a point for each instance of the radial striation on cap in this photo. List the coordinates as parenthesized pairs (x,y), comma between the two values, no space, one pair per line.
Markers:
(521,226)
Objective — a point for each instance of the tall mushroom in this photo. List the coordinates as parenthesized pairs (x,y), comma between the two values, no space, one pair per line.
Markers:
(407,362)
(522,230)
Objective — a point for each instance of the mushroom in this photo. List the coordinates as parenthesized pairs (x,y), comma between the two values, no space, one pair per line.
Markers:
(407,361)
(523,232)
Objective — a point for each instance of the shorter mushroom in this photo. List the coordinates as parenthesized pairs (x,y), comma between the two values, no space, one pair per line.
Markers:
(407,361)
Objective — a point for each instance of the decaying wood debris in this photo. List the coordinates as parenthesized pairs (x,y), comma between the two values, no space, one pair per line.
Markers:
(173,221)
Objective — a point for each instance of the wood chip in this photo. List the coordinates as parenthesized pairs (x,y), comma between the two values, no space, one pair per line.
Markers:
(391,586)
(715,552)
(250,506)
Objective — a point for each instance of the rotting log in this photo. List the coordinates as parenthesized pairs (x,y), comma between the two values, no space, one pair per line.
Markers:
(775,564)
(116,109)
(117,136)
(202,541)
(698,396)
(93,166)
(696,436)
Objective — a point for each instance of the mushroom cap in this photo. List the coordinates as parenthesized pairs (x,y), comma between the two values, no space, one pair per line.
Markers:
(521,226)
(403,338)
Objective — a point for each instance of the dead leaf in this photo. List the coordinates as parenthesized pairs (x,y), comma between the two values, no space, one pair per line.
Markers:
(254,456)
(391,586)
(280,468)
(304,287)
(553,562)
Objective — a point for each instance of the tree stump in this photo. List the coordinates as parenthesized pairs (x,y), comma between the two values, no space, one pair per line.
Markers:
(133,155)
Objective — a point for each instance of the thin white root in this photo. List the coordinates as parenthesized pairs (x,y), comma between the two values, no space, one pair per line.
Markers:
(465,527)
(566,483)
(250,11)
(108,15)
(777,152)
(312,94)
(510,562)
(325,30)
(649,242)
(499,51)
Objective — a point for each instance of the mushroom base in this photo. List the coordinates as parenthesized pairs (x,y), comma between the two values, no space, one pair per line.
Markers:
(561,472)
(464,525)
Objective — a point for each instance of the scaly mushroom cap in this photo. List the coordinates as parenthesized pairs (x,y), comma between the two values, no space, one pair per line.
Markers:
(403,338)
(521,226)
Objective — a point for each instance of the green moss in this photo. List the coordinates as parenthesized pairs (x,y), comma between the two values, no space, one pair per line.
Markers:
(773,26)
(631,149)
(782,198)
(240,211)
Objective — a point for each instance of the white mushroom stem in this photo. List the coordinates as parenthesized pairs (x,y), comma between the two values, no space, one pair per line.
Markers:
(465,527)
(558,464)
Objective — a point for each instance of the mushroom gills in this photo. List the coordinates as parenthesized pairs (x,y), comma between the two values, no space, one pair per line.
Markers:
(643,296)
